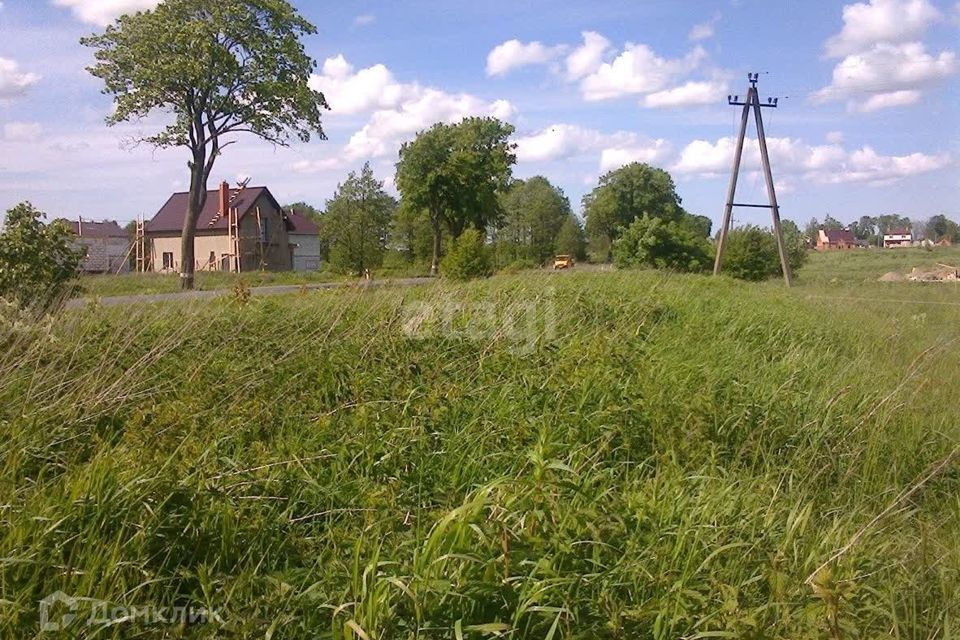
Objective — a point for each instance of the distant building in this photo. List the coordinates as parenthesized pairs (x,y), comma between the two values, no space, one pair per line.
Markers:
(894,238)
(304,242)
(106,245)
(243,229)
(835,239)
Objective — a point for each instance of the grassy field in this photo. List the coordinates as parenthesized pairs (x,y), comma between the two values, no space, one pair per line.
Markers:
(584,455)
(148,283)
(100,285)
(864,267)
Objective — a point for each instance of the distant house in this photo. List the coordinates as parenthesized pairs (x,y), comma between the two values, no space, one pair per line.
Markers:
(242,229)
(106,245)
(304,242)
(834,239)
(901,237)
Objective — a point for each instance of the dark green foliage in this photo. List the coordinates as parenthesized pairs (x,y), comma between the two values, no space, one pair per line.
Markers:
(940,227)
(469,258)
(627,194)
(410,233)
(533,213)
(37,261)
(751,254)
(662,244)
(700,225)
(793,239)
(355,224)
(457,173)
(570,239)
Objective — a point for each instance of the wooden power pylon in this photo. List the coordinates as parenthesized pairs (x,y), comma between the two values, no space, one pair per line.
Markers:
(753,103)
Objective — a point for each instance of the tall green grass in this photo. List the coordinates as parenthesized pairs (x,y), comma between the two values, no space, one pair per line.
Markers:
(596,455)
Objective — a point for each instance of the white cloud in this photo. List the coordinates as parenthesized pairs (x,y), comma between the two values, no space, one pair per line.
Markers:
(704,30)
(388,128)
(869,23)
(364,20)
(892,73)
(616,157)
(887,100)
(691,93)
(835,137)
(317,166)
(398,110)
(865,165)
(103,12)
(13,82)
(22,131)
(514,54)
(588,57)
(566,141)
(350,92)
(824,164)
(638,70)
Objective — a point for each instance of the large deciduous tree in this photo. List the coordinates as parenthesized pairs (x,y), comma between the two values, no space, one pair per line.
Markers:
(626,194)
(216,68)
(456,173)
(534,211)
(356,222)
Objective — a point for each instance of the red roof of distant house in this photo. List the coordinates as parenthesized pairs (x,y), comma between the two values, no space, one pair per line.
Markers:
(302,225)
(90,229)
(902,231)
(170,216)
(836,236)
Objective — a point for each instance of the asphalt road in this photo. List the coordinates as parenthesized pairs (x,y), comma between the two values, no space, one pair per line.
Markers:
(272,290)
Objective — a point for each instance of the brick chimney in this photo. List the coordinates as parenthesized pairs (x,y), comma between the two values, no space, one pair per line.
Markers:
(224,198)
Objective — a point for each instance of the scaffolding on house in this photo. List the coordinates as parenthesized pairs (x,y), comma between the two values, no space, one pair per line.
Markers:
(138,249)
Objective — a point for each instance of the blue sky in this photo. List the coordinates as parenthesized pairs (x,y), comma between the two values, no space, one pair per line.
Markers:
(868,120)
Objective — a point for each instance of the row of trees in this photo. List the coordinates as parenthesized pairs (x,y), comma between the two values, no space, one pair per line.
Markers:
(452,177)
(456,181)
(221,68)
(871,229)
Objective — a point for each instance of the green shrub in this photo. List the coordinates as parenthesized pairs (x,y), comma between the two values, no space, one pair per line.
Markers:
(518,265)
(653,242)
(468,258)
(797,252)
(752,253)
(37,261)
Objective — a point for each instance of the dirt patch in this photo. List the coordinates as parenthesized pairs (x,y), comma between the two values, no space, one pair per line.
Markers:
(939,273)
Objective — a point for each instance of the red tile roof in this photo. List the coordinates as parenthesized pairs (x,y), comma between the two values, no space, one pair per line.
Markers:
(302,225)
(90,229)
(837,236)
(170,216)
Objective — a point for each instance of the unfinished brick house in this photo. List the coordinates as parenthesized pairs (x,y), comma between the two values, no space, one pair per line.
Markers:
(106,245)
(242,229)
(305,241)
(834,239)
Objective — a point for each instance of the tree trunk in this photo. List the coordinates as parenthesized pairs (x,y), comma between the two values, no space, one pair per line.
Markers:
(435,264)
(195,202)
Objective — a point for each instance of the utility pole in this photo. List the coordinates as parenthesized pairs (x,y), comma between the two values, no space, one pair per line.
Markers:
(753,103)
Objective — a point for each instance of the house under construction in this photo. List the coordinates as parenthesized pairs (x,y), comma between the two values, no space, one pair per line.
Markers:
(239,230)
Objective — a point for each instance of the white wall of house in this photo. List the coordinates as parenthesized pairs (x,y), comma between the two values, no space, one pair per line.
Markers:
(306,252)
(166,251)
(897,240)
